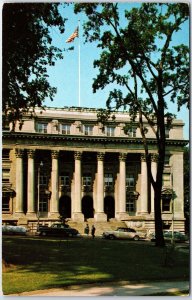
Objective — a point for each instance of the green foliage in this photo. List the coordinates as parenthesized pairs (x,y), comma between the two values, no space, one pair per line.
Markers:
(140,56)
(187,187)
(146,69)
(27,51)
(103,116)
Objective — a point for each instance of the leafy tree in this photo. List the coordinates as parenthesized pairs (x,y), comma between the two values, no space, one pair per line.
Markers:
(27,51)
(147,68)
(187,188)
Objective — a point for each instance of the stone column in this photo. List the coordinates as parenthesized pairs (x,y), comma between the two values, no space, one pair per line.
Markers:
(54,207)
(19,181)
(77,213)
(100,215)
(31,183)
(122,186)
(176,161)
(144,187)
(154,158)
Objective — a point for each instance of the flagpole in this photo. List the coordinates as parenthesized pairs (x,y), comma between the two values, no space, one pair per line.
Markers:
(79,58)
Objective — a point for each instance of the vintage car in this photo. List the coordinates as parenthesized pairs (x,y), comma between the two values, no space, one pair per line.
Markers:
(58,229)
(124,233)
(177,236)
(13,230)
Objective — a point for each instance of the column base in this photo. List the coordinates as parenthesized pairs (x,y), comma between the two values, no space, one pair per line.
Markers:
(179,215)
(78,217)
(143,213)
(19,215)
(54,215)
(122,216)
(31,215)
(100,217)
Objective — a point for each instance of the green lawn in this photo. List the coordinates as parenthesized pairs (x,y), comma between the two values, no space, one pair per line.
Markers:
(40,263)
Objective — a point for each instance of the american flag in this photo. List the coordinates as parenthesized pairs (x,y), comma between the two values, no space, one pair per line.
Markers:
(73,36)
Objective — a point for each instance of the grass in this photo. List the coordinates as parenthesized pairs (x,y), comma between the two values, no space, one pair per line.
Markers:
(34,263)
(178,293)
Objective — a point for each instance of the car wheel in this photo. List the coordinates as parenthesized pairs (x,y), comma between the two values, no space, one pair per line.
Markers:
(111,237)
(43,233)
(136,238)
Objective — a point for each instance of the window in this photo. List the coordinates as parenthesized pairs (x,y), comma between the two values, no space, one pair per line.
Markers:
(108,179)
(130,205)
(65,128)
(43,203)
(5,204)
(64,180)
(42,127)
(166,204)
(5,124)
(166,159)
(110,131)
(132,132)
(87,180)
(5,154)
(43,180)
(130,180)
(88,129)
(167,132)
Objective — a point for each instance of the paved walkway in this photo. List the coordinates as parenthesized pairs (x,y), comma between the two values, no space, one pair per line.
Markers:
(113,289)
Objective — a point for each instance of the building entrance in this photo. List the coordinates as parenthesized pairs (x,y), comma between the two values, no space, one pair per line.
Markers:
(109,207)
(87,207)
(65,206)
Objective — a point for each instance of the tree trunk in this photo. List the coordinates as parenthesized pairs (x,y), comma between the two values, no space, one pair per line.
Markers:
(158,219)
(157,198)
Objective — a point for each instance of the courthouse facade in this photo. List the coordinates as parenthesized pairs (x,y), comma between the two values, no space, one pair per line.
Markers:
(64,163)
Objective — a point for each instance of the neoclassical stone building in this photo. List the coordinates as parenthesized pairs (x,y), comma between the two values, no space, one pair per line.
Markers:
(63,162)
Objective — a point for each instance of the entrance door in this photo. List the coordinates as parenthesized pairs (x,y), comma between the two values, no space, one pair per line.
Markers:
(65,206)
(109,207)
(87,207)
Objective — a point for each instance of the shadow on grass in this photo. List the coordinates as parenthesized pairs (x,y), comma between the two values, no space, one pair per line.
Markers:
(41,263)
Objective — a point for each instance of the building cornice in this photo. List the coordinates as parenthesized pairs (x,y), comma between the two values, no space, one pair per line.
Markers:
(82,138)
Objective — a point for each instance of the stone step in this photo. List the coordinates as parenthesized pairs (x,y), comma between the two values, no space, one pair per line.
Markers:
(100,226)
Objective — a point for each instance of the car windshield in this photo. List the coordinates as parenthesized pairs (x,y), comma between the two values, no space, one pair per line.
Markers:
(131,230)
(121,229)
(57,226)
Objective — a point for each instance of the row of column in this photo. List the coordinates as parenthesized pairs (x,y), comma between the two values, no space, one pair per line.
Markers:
(76,202)
(31,182)
(144,183)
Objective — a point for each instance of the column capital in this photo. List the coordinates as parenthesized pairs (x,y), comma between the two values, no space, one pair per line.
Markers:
(122,156)
(143,157)
(30,153)
(154,157)
(19,152)
(78,155)
(100,155)
(55,154)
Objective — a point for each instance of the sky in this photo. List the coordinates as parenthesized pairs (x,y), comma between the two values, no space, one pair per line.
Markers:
(65,74)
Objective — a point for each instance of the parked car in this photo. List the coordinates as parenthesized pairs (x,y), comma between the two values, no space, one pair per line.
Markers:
(177,236)
(124,233)
(13,230)
(58,229)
